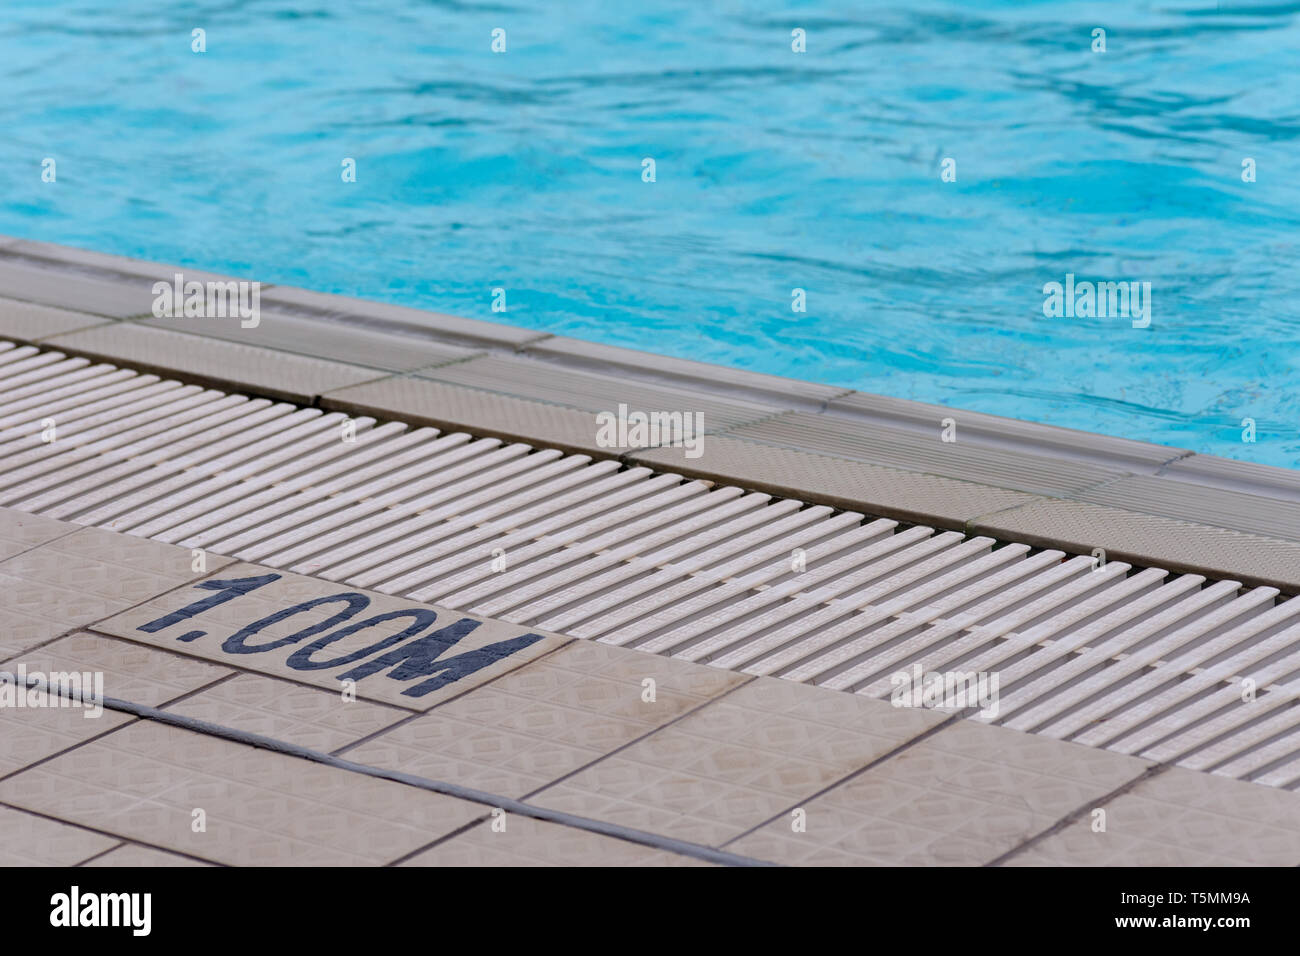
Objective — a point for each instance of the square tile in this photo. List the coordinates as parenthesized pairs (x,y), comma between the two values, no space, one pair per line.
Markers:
(738,761)
(961,797)
(1181,818)
(306,716)
(146,781)
(29,840)
(29,734)
(536,724)
(131,672)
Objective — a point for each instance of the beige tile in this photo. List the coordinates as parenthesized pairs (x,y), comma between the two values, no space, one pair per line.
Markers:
(739,761)
(233,365)
(543,721)
(454,407)
(925,453)
(29,840)
(19,632)
(132,672)
(119,568)
(85,290)
(974,427)
(1194,503)
(963,796)
(596,391)
(399,319)
(132,854)
(56,607)
(20,531)
(305,716)
(262,808)
(841,482)
(529,842)
(614,360)
(1182,818)
(1143,539)
(322,338)
(260,631)
(29,322)
(29,734)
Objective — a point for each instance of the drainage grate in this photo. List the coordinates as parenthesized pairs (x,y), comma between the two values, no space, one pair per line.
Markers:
(1133,660)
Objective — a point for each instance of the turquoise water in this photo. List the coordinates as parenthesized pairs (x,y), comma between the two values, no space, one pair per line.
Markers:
(774,171)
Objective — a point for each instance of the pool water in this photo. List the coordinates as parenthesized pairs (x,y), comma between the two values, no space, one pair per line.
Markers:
(773,171)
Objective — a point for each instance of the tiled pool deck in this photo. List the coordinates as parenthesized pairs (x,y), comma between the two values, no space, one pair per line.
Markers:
(717,768)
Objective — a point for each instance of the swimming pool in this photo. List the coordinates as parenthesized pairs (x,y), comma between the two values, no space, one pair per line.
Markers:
(820,171)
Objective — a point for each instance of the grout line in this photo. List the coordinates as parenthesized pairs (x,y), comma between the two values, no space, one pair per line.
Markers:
(201,689)
(17,658)
(59,753)
(1080,812)
(905,745)
(510,805)
(637,740)
(238,670)
(108,833)
(96,856)
(338,752)
(826,402)
(460,830)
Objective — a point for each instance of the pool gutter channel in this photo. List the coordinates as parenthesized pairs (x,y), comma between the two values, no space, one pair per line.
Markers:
(1146,504)
(628,554)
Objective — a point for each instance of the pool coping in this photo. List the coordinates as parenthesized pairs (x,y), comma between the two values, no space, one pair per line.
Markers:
(1147,504)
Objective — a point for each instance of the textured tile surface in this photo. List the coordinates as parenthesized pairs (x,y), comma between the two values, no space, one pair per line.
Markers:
(31,734)
(132,854)
(648,366)
(927,453)
(1181,818)
(316,632)
(548,719)
(82,289)
(98,563)
(212,361)
(29,840)
(132,672)
(994,431)
(1079,527)
(529,842)
(260,808)
(448,328)
(20,531)
(453,407)
(1199,504)
(306,716)
(858,486)
(322,339)
(738,762)
(29,322)
(592,392)
(961,797)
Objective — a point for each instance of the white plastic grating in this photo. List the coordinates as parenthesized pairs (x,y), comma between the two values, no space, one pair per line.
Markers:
(1137,661)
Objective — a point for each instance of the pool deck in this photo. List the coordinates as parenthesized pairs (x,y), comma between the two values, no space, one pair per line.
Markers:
(1146,504)
(560,739)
